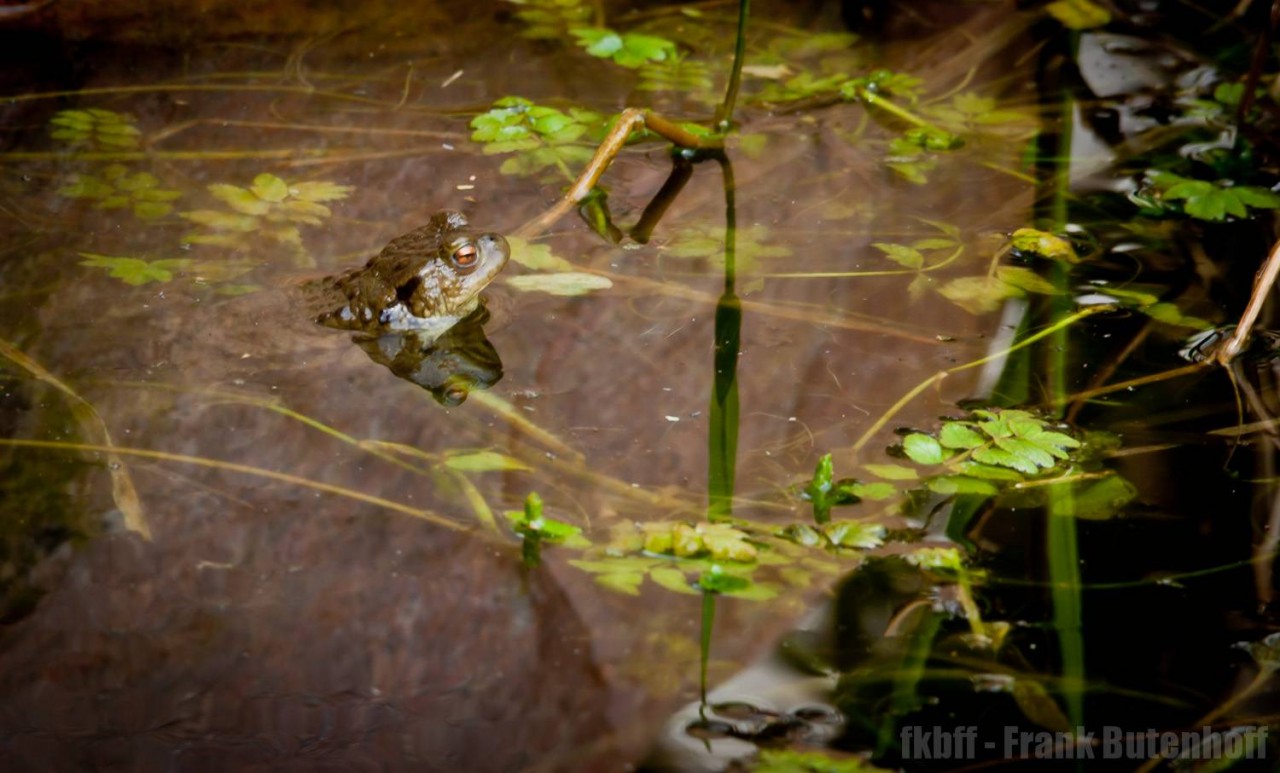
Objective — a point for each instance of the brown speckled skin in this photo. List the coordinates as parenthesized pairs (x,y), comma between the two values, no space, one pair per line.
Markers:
(415,270)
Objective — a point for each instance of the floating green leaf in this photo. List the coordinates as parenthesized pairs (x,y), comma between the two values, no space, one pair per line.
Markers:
(961,484)
(319,191)
(623,582)
(540,136)
(551,19)
(958,435)
(876,492)
(907,257)
(536,257)
(717,580)
(882,83)
(893,471)
(855,534)
(568,283)
(672,579)
(1170,314)
(629,49)
(116,187)
(134,271)
(1025,279)
(923,449)
(803,86)
(719,542)
(482,461)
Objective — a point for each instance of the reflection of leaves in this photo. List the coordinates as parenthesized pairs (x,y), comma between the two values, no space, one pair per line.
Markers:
(115,188)
(551,19)
(984,294)
(97,128)
(1151,305)
(707,241)
(566,283)
(882,83)
(807,85)
(803,86)
(800,44)
(134,271)
(913,155)
(978,294)
(564,157)
(679,73)
(970,111)
(269,208)
(628,49)
(910,160)
(1101,500)
(1206,200)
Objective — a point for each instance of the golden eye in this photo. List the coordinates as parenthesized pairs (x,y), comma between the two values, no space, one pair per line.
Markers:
(466,255)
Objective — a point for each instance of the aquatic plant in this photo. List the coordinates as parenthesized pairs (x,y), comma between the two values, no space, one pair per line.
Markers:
(631,50)
(536,529)
(269,207)
(115,187)
(95,129)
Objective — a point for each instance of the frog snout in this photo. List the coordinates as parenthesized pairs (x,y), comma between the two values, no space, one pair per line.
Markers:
(495,245)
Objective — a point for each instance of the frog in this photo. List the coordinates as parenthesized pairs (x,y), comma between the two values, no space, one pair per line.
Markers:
(423,282)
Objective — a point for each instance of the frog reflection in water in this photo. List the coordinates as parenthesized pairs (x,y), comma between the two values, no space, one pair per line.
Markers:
(417,304)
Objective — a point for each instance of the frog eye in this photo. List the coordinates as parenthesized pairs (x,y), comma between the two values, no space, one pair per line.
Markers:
(466,255)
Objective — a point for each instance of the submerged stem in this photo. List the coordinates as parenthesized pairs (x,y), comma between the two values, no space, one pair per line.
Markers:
(724,115)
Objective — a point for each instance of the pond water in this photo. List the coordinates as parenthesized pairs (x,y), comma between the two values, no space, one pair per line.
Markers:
(235,539)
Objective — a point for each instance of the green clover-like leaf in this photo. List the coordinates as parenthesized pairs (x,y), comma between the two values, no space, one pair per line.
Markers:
(922,449)
(134,271)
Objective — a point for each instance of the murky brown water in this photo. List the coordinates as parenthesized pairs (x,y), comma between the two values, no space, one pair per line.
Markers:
(272,624)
